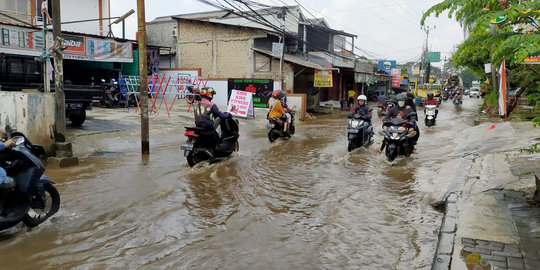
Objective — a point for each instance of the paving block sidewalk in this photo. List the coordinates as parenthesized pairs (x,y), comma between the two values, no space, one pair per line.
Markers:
(487,213)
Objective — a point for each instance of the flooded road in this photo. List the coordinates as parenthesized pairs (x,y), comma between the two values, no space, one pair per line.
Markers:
(304,203)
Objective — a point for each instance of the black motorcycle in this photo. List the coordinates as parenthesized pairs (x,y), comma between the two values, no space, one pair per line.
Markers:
(275,127)
(396,138)
(457,102)
(358,134)
(27,195)
(204,144)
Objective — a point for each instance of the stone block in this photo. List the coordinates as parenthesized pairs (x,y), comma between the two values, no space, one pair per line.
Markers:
(511,248)
(477,250)
(515,263)
(62,162)
(494,258)
(442,262)
(451,210)
(498,264)
(446,243)
(452,198)
(468,242)
(493,246)
(507,254)
(449,225)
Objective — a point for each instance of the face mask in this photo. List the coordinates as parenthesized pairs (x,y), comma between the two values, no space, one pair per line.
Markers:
(401,103)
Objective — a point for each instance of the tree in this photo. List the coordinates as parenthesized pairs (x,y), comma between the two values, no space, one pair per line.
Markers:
(517,37)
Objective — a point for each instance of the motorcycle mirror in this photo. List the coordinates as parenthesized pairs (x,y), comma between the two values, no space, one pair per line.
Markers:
(103,80)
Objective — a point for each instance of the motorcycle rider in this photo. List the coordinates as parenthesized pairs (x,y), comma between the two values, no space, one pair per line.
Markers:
(407,110)
(5,181)
(431,101)
(206,111)
(277,110)
(362,109)
(410,101)
(407,125)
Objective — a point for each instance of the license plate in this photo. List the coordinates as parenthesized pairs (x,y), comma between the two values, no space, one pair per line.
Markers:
(271,126)
(187,146)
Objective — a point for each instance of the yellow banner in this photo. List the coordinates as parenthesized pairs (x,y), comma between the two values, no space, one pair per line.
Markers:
(323,78)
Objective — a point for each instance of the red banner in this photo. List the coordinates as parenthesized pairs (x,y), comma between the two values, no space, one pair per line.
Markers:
(396,77)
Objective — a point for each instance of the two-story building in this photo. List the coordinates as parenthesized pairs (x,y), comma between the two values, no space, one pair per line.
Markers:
(226,45)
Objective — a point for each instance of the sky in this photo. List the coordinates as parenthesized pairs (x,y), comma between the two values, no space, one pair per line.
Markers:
(386,29)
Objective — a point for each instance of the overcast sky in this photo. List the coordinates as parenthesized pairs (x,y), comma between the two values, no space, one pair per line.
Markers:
(386,29)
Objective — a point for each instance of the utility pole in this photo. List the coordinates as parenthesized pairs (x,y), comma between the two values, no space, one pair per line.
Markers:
(60,123)
(143,78)
(426,29)
(493,75)
(46,81)
(282,16)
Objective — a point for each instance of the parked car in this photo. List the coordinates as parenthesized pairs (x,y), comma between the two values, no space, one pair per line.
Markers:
(474,92)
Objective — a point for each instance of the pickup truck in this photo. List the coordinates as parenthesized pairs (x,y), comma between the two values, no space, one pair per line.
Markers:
(79,99)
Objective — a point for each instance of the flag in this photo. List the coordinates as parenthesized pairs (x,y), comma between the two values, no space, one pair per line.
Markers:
(502,90)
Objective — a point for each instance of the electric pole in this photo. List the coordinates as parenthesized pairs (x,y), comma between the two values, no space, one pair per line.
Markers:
(60,123)
(143,78)
(46,81)
(425,78)
(282,16)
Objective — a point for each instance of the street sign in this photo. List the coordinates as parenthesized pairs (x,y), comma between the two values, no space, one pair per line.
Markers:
(277,49)
(432,57)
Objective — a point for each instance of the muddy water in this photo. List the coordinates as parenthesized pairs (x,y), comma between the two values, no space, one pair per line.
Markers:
(305,203)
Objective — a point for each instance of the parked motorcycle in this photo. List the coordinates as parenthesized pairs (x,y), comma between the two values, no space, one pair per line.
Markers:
(27,195)
(397,137)
(275,127)
(211,145)
(357,133)
(430,111)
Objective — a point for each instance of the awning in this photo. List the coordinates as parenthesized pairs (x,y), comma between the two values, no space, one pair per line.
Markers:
(297,60)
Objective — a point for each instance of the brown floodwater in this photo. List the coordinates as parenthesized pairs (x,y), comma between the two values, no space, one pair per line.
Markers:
(303,203)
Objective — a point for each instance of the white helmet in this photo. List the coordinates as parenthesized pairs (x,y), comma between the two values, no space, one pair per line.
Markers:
(362,97)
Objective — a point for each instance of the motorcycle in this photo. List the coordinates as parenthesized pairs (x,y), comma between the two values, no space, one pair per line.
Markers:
(457,102)
(275,128)
(357,134)
(27,195)
(430,115)
(211,145)
(397,137)
(382,109)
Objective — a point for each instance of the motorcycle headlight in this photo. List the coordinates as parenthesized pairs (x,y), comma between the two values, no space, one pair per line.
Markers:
(355,123)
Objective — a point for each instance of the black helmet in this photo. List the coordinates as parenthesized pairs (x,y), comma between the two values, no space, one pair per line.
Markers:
(410,95)
(401,97)
(429,95)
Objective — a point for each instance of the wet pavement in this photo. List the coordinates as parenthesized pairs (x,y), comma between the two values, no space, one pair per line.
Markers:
(303,203)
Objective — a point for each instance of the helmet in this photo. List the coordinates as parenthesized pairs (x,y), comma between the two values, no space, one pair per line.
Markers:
(410,95)
(362,97)
(276,94)
(430,95)
(401,97)
(207,92)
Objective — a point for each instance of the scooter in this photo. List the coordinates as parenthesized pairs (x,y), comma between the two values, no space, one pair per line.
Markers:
(397,137)
(357,133)
(27,195)
(275,128)
(430,115)
(457,102)
(211,145)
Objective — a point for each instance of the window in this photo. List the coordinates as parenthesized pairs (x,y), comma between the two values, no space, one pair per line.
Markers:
(22,39)
(38,9)
(17,6)
(32,67)
(5,36)
(16,66)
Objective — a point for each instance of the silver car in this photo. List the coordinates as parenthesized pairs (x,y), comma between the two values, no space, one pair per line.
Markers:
(474,92)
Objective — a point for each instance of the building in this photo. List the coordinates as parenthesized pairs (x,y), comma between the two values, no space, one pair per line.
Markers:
(226,45)
(89,55)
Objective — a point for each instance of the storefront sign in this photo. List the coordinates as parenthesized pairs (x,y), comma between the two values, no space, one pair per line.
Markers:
(241,103)
(261,89)
(29,41)
(396,77)
(323,78)
(387,65)
(532,60)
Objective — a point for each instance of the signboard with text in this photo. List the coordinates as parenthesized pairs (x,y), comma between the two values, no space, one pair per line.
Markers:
(29,41)
(387,65)
(323,78)
(432,57)
(261,89)
(241,103)
(396,77)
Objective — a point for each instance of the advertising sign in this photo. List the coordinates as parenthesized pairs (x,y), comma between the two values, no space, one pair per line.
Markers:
(323,78)
(387,65)
(532,60)
(396,77)
(277,49)
(261,89)
(29,41)
(241,103)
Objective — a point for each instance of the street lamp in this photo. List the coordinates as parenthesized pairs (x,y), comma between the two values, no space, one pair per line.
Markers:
(123,20)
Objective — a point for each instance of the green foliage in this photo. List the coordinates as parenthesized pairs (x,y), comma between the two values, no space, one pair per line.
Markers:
(491,99)
(534,149)
(467,75)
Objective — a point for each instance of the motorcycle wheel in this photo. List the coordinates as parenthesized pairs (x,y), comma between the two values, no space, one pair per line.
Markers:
(198,155)
(36,216)
(350,145)
(273,135)
(391,153)
(292,129)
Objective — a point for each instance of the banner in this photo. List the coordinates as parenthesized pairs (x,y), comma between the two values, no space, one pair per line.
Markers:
(29,41)
(241,103)
(261,89)
(323,78)
(532,60)
(396,77)
(502,90)
(387,65)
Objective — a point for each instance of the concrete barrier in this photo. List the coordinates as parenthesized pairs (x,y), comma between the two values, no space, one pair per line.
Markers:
(30,113)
